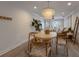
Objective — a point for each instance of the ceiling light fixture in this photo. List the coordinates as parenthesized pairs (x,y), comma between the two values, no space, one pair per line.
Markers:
(48,13)
(69,3)
(63,13)
(35,7)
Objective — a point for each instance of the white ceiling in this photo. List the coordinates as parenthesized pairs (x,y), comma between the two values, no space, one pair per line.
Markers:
(59,6)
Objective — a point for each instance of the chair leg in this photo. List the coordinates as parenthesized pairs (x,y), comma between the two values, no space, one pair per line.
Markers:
(46,49)
(50,52)
(30,47)
(28,50)
(51,49)
(66,50)
(56,50)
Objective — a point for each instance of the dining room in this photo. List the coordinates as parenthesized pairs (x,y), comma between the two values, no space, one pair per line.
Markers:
(39,29)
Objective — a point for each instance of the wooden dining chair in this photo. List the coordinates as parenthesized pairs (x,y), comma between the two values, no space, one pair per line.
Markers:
(62,41)
(30,39)
(48,46)
(36,42)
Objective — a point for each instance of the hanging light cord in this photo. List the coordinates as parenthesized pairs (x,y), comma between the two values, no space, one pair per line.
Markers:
(48,4)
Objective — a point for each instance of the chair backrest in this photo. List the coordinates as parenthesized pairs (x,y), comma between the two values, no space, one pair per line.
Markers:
(61,36)
(76,28)
(35,39)
(32,35)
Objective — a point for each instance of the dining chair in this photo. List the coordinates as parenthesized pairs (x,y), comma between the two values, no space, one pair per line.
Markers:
(62,41)
(36,42)
(30,39)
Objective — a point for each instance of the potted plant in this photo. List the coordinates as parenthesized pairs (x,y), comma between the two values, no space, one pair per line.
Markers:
(36,24)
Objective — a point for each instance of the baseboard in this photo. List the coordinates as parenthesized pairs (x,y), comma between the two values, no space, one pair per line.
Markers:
(14,50)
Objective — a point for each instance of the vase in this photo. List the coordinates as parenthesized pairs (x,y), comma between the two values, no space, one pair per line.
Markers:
(47,32)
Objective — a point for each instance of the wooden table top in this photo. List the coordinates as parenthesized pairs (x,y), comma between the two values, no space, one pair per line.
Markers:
(46,36)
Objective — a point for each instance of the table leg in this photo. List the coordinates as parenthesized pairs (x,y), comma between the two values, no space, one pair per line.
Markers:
(46,48)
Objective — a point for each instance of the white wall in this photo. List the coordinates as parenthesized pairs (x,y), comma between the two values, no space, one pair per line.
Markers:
(66,23)
(15,32)
(74,14)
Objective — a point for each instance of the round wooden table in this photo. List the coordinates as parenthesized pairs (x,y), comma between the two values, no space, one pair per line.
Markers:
(46,37)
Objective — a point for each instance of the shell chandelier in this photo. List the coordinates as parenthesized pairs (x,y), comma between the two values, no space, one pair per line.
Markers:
(48,13)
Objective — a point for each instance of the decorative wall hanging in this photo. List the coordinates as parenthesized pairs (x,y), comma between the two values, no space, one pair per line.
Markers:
(5,18)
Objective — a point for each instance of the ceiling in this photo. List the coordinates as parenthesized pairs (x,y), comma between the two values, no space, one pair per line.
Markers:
(59,6)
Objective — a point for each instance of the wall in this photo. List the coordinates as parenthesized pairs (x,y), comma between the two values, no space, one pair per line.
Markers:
(15,32)
(66,23)
(74,14)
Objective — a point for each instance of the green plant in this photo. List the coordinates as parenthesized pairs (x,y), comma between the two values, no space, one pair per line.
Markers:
(36,24)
